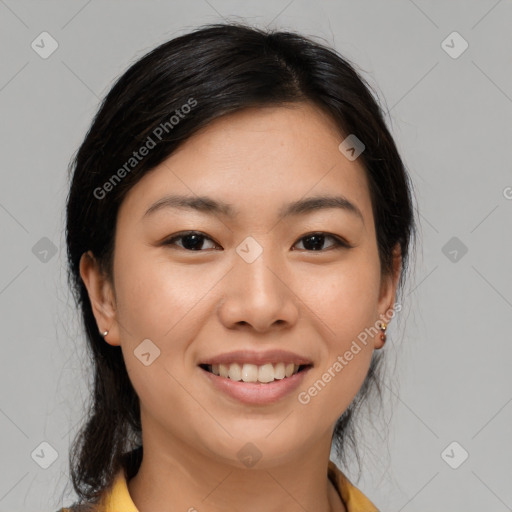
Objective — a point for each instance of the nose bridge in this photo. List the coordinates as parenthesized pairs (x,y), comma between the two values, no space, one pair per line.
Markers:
(256,293)
(257,265)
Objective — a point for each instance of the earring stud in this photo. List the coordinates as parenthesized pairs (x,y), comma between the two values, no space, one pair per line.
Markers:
(383,328)
(104,333)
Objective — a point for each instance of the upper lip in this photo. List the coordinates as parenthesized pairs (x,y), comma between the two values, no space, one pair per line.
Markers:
(258,358)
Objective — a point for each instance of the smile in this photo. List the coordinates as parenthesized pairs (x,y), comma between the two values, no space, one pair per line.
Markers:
(248,372)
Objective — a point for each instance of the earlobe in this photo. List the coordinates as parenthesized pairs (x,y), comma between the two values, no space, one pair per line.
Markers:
(101,297)
(389,285)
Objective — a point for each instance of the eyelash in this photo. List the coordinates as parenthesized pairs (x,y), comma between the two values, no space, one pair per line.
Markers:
(339,243)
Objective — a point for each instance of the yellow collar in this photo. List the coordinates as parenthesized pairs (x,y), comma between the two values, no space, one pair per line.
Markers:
(352,497)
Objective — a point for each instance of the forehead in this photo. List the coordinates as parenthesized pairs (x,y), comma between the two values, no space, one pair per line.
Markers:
(264,156)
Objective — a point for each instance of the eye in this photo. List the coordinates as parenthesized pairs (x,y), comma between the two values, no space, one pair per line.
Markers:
(316,240)
(192,240)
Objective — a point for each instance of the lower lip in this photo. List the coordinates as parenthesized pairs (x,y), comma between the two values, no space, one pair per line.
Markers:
(257,392)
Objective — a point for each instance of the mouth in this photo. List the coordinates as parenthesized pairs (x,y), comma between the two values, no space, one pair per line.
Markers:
(252,373)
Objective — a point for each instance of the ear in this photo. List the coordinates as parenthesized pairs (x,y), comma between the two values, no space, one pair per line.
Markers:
(389,285)
(101,296)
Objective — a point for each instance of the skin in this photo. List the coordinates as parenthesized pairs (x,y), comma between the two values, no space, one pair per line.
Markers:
(197,304)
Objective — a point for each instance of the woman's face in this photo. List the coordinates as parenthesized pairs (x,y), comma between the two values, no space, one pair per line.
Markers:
(250,281)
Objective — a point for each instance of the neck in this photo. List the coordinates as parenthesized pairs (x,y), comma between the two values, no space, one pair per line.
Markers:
(179,477)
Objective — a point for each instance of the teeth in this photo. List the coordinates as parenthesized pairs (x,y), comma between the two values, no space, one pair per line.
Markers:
(235,372)
(265,373)
(252,373)
(223,370)
(279,371)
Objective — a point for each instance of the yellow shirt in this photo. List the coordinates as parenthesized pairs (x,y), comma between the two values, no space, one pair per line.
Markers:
(119,499)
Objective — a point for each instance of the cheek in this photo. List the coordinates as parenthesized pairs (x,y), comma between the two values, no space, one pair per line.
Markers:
(346,303)
(160,303)
(346,298)
(153,296)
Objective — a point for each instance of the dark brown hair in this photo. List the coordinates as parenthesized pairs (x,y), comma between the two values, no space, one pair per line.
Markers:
(223,68)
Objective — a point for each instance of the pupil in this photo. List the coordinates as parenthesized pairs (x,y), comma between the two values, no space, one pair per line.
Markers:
(196,242)
(318,241)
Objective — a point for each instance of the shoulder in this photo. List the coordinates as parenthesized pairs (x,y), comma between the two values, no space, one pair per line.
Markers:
(113,497)
(353,498)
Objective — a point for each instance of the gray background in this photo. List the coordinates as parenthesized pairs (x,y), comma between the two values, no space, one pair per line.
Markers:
(449,350)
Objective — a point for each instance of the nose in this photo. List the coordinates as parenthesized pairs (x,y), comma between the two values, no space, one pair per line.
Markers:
(259,295)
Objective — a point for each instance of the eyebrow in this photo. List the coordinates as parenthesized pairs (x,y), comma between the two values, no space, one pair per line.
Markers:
(211,206)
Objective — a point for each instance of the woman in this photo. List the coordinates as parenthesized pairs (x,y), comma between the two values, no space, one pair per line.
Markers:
(238,227)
